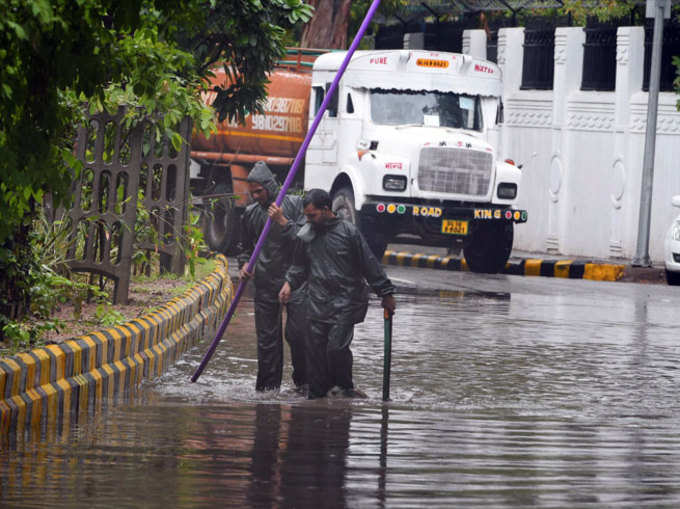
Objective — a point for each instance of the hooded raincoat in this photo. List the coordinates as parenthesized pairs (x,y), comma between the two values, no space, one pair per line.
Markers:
(272,263)
(336,262)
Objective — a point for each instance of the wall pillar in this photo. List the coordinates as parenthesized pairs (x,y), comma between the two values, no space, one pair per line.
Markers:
(474,43)
(567,79)
(629,69)
(509,59)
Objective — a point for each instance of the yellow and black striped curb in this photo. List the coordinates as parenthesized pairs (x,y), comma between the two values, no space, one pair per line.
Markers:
(49,388)
(527,267)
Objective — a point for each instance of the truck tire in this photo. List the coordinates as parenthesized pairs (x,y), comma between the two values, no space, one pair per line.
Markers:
(220,224)
(343,206)
(672,278)
(488,247)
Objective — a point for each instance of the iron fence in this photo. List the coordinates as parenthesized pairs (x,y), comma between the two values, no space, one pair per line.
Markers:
(539,59)
(671,47)
(599,58)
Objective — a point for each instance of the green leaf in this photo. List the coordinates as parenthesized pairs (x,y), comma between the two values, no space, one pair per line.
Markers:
(18,29)
(176,141)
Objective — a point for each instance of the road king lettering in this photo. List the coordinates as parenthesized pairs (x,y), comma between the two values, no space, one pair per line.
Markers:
(393,166)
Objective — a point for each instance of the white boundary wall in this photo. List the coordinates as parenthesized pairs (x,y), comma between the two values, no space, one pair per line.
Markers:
(582,151)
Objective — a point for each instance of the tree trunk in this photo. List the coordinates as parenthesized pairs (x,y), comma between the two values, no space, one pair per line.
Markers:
(328,27)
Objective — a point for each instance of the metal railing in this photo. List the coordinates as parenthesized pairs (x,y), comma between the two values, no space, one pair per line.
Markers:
(539,59)
(599,58)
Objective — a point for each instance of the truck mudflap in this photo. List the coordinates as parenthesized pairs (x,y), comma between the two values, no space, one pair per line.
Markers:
(436,220)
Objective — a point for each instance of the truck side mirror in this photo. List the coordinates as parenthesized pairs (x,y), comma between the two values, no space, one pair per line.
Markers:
(499,112)
(676,200)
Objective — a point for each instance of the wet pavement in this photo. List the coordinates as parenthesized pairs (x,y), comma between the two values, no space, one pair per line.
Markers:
(507,392)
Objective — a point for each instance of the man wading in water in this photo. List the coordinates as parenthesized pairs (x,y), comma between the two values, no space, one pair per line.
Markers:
(334,258)
(272,263)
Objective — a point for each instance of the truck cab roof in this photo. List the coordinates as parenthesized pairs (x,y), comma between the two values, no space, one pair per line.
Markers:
(416,70)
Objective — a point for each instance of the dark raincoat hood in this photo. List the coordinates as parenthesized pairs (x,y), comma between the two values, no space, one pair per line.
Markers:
(264,176)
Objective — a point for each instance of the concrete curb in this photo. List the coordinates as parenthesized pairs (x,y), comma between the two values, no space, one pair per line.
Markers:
(527,267)
(49,388)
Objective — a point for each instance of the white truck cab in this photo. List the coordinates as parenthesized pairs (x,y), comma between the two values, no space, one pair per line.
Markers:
(404,149)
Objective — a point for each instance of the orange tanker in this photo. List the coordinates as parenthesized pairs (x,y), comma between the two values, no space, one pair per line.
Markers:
(278,132)
(221,163)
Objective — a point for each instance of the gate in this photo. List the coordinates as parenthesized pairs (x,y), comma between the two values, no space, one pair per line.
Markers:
(120,168)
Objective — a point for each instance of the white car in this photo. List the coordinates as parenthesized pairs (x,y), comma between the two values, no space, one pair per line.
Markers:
(671,251)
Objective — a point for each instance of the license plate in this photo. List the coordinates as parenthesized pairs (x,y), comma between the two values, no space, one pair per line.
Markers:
(454,227)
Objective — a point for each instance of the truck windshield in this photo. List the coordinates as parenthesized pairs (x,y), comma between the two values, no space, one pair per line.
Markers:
(437,109)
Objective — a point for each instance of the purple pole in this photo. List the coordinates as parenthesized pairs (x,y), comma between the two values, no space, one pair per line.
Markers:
(286,185)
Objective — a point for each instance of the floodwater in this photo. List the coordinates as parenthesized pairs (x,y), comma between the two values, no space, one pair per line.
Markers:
(500,399)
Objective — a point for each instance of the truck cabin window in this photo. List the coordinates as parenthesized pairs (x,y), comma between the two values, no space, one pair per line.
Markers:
(318,98)
(333,103)
(426,108)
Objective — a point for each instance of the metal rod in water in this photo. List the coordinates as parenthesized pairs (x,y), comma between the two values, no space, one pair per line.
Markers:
(387,358)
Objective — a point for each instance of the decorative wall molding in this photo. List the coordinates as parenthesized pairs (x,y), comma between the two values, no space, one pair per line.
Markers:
(590,121)
(528,113)
(560,48)
(622,52)
(618,182)
(502,47)
(616,249)
(552,244)
(591,116)
(528,118)
(466,43)
(555,183)
(665,124)
(560,54)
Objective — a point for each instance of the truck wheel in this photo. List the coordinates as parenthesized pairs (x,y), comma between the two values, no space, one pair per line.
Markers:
(220,223)
(488,247)
(343,204)
(673,278)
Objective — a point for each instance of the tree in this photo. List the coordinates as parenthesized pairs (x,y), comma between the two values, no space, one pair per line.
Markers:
(151,55)
(333,19)
(328,27)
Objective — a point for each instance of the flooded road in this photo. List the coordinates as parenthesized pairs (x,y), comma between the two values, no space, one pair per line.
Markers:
(507,392)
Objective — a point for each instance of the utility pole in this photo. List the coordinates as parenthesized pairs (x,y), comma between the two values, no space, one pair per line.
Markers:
(659,9)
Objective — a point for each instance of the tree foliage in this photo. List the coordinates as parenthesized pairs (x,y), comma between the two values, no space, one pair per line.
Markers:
(150,54)
(59,58)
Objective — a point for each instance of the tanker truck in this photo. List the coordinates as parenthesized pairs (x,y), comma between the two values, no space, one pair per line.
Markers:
(405,149)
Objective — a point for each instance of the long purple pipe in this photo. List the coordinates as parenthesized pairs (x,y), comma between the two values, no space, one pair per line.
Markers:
(286,185)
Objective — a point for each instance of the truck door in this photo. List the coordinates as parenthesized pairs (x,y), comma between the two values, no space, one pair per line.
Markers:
(323,146)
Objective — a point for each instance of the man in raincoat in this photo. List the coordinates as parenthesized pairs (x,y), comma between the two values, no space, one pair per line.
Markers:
(335,260)
(272,263)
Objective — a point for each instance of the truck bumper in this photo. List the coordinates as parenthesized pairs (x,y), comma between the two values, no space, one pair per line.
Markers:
(438,224)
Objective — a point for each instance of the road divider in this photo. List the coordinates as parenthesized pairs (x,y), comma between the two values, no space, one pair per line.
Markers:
(570,269)
(49,388)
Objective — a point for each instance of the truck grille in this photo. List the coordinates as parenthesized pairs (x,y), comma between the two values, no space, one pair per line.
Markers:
(455,170)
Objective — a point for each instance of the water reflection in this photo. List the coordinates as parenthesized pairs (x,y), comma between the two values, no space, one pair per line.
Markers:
(497,402)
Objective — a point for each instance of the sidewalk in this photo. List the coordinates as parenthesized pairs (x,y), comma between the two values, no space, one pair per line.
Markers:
(531,264)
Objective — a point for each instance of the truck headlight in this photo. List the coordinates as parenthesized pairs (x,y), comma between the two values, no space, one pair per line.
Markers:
(507,191)
(675,231)
(394,182)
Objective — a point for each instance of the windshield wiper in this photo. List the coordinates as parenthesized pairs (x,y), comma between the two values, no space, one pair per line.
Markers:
(403,126)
